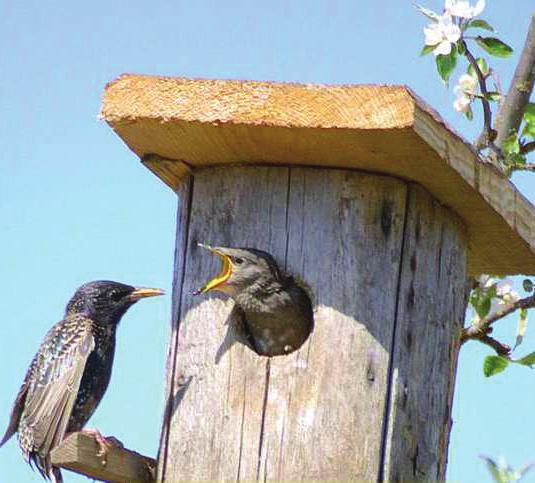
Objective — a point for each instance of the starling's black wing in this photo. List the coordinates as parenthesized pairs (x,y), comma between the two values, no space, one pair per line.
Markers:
(53,382)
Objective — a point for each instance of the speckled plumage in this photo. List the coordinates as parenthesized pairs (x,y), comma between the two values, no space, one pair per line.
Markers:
(278,315)
(277,310)
(70,372)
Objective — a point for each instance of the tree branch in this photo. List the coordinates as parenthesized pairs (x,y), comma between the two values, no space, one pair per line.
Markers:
(501,349)
(481,329)
(486,138)
(527,148)
(524,167)
(510,114)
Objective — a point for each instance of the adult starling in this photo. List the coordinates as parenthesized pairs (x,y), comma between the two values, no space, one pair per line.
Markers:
(277,311)
(70,372)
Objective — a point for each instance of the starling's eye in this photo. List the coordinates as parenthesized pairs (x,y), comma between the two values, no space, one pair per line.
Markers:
(238,261)
(115,296)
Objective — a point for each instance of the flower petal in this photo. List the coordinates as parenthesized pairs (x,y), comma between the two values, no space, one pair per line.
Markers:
(462,103)
(433,35)
(480,6)
(444,48)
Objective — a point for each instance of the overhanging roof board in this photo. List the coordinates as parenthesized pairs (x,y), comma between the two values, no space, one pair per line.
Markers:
(382,129)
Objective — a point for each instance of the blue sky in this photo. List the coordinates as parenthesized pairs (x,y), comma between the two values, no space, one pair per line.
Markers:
(76,205)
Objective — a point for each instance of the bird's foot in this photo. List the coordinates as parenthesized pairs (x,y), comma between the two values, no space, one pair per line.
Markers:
(105,443)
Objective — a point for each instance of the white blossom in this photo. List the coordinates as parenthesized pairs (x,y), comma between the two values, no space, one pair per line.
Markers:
(463,9)
(464,93)
(505,296)
(462,103)
(467,83)
(442,34)
(504,290)
(486,281)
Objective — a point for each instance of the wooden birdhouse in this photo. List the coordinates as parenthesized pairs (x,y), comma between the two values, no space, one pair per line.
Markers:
(383,210)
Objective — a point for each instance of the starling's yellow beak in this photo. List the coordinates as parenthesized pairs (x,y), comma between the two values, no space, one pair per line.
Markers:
(223,275)
(143,292)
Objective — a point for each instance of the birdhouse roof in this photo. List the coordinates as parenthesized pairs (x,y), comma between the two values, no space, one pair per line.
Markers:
(384,129)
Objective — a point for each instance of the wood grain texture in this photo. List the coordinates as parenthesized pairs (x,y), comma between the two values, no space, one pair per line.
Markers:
(220,412)
(321,412)
(325,404)
(382,129)
(430,313)
(78,453)
(173,391)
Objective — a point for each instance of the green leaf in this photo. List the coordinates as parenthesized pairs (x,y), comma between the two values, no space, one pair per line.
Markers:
(528,360)
(527,285)
(493,96)
(483,67)
(427,49)
(461,47)
(511,145)
(446,64)
(529,129)
(494,365)
(529,112)
(494,46)
(479,24)
(483,307)
(469,114)
(428,13)
(516,159)
(521,327)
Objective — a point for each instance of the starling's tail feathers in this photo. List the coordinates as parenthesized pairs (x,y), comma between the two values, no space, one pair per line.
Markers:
(16,413)
(55,475)
(9,432)
(44,465)
(7,435)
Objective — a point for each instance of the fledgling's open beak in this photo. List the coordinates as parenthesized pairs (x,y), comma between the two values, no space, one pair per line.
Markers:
(142,292)
(223,275)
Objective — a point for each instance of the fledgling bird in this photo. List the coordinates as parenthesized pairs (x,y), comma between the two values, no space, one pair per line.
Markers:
(277,311)
(70,373)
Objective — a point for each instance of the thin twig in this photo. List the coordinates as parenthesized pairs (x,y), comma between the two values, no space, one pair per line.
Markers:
(488,134)
(527,148)
(524,167)
(511,111)
(501,349)
(483,327)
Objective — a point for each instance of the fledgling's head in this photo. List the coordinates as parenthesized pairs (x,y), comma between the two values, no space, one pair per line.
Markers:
(105,301)
(241,268)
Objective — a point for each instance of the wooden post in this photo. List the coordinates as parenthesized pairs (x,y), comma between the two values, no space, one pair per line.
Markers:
(364,398)
(367,195)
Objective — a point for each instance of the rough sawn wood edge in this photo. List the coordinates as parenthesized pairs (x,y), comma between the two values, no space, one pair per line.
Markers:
(151,112)
(78,453)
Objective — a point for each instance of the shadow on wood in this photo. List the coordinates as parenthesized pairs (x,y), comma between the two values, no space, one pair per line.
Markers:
(78,453)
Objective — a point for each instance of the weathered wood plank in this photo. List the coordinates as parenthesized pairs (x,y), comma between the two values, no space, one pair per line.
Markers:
(430,313)
(78,453)
(326,403)
(214,431)
(173,392)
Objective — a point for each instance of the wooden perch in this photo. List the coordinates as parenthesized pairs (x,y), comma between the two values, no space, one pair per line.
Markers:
(78,453)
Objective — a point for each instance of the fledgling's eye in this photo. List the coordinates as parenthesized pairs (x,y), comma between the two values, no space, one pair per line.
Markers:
(238,261)
(115,296)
